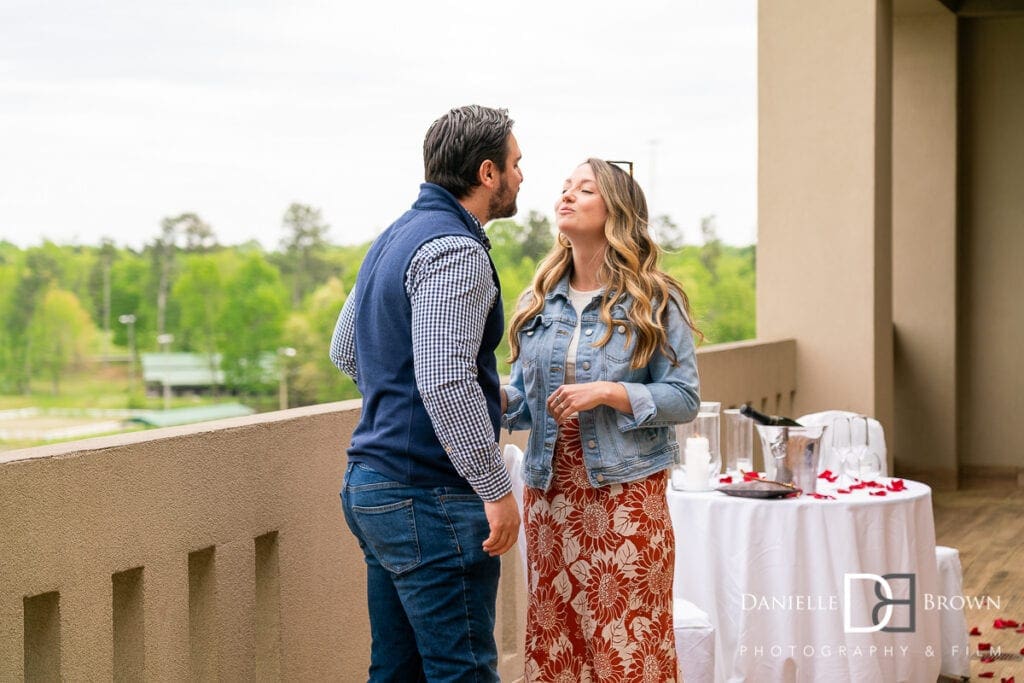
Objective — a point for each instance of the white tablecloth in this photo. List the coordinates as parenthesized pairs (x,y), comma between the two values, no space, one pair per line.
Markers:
(771,576)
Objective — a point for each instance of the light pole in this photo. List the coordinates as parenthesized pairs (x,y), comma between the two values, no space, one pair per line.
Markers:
(129,320)
(282,364)
(164,340)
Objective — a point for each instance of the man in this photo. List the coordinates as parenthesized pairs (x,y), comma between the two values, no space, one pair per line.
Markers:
(426,492)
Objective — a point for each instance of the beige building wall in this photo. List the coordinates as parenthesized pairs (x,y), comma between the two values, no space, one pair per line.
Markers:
(824,243)
(992,235)
(925,242)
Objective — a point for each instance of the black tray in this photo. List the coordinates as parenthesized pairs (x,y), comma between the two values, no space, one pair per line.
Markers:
(759,488)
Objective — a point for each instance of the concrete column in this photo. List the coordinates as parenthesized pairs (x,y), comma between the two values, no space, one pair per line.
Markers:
(165,589)
(236,609)
(925,245)
(86,640)
(12,644)
(824,166)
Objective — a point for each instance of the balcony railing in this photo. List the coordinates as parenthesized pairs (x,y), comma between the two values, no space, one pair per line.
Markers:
(218,550)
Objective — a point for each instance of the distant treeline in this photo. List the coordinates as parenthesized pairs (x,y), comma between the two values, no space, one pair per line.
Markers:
(63,305)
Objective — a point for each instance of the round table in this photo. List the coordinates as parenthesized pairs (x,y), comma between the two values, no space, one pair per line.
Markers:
(790,584)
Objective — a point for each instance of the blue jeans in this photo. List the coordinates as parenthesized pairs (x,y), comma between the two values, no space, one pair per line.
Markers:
(430,587)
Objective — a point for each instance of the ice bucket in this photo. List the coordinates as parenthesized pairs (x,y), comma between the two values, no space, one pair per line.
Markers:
(792,454)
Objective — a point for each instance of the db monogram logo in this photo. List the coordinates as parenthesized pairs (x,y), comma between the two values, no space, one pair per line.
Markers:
(854,603)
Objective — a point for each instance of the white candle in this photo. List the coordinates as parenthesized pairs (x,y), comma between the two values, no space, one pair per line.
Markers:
(698,463)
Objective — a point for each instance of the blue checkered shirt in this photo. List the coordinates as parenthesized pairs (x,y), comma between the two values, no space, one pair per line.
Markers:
(450,289)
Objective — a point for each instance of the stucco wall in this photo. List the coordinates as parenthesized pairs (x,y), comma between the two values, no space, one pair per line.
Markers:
(824,238)
(925,243)
(992,243)
(220,550)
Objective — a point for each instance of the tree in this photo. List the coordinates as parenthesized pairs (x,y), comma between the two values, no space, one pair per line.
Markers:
(538,237)
(711,250)
(304,246)
(99,284)
(129,280)
(667,233)
(252,322)
(198,234)
(316,379)
(60,333)
(43,268)
(199,294)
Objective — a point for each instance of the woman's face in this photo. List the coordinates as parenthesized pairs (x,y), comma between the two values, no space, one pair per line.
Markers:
(580,213)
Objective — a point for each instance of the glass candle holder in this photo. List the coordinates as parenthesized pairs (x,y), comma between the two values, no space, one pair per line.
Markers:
(739,442)
(706,425)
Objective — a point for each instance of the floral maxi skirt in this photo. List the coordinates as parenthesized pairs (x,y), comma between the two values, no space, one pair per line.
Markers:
(600,567)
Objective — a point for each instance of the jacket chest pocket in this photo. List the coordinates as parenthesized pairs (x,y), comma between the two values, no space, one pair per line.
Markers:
(621,343)
(535,345)
(618,354)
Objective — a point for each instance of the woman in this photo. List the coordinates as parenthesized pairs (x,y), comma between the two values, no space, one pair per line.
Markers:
(603,368)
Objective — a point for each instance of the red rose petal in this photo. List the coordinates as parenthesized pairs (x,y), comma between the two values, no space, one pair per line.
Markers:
(1007,680)
(1020,630)
(987,674)
(842,490)
(725,480)
(984,647)
(876,493)
(896,485)
(822,496)
(975,631)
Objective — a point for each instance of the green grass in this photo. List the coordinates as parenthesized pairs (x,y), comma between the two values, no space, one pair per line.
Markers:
(107,387)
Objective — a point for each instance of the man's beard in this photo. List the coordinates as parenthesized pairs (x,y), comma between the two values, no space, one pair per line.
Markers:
(503,203)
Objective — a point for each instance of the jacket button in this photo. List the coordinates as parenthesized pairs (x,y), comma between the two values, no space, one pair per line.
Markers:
(600,477)
(620,328)
(530,333)
(589,331)
(586,365)
(591,444)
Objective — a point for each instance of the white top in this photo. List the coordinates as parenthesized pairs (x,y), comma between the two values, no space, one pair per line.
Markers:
(579,300)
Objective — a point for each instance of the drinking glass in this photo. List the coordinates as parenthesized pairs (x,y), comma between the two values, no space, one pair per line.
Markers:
(739,442)
(859,462)
(842,443)
(870,466)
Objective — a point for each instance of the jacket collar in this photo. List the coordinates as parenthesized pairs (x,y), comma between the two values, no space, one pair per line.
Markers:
(561,289)
(435,198)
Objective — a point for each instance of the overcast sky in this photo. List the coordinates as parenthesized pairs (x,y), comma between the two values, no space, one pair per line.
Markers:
(116,114)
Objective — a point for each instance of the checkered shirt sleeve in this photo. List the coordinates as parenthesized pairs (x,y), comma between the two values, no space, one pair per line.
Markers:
(343,342)
(451,291)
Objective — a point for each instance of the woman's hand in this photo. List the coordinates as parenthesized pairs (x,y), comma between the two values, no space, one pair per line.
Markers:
(569,399)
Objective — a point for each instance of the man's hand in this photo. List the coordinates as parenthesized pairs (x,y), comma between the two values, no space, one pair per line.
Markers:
(503,516)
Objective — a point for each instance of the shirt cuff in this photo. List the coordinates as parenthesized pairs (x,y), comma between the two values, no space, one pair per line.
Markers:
(494,484)
(513,408)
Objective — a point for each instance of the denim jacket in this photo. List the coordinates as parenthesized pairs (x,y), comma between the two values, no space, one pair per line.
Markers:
(616,447)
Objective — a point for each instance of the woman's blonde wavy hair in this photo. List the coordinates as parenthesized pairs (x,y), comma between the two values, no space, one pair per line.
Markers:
(630,268)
